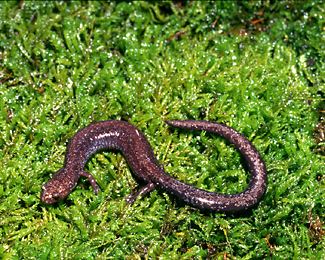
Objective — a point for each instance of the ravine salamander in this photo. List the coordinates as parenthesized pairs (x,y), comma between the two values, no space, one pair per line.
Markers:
(122,136)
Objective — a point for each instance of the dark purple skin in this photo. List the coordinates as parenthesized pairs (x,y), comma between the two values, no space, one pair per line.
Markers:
(122,136)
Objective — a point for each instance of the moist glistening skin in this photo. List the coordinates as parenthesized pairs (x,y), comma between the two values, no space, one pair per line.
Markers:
(126,138)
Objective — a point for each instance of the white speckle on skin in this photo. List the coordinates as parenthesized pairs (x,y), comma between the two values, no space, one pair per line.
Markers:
(108,134)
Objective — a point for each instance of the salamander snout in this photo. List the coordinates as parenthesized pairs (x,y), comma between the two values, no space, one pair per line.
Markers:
(49,197)
(57,188)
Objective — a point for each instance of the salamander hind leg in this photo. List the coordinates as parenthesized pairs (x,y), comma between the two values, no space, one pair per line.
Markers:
(92,181)
(140,193)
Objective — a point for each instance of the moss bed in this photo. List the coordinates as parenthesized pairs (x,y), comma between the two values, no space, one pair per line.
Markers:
(256,66)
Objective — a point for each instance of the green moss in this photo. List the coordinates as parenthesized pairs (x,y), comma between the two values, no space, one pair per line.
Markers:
(257,67)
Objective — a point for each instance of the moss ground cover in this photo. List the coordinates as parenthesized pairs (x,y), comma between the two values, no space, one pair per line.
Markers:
(258,67)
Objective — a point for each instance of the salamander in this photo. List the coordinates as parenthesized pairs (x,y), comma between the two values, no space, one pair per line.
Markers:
(126,138)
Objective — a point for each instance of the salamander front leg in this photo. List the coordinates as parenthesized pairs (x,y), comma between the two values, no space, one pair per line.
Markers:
(92,181)
(140,193)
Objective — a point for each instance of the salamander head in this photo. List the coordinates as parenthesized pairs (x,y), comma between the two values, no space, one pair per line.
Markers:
(57,188)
